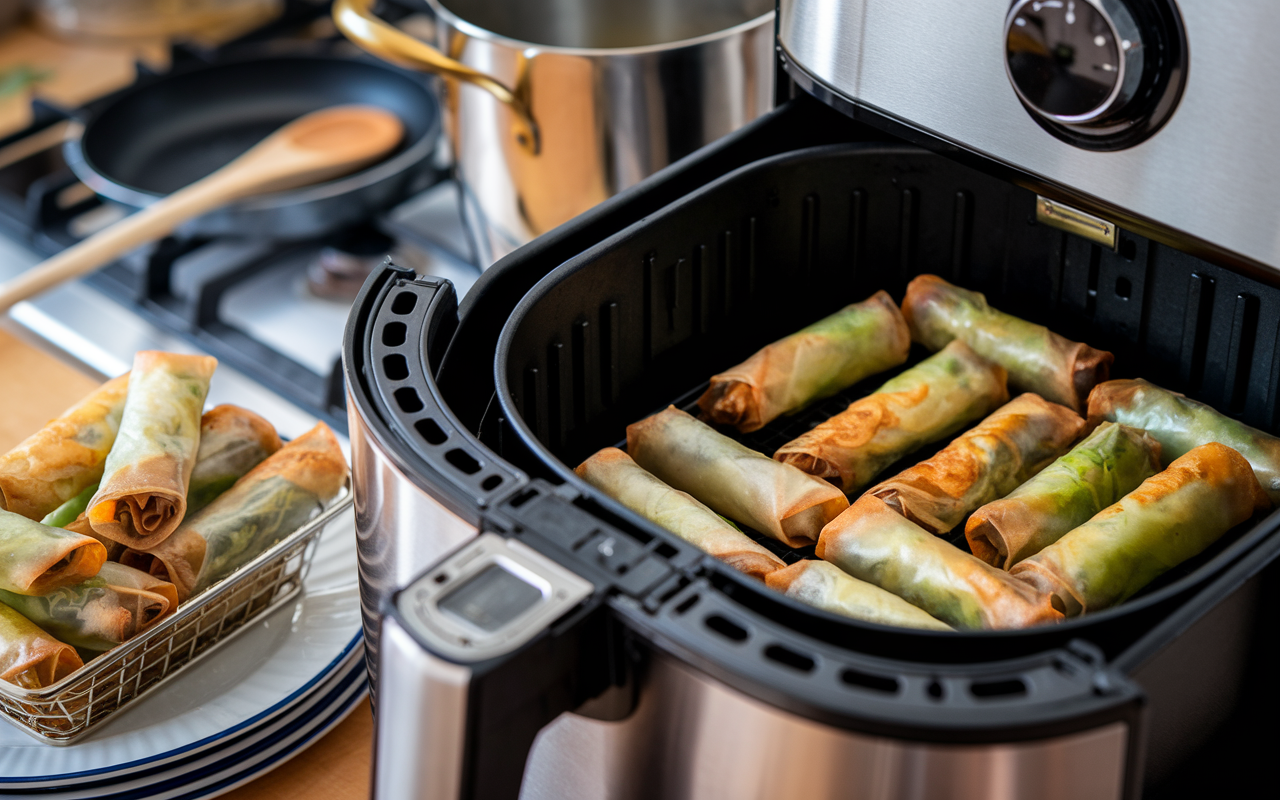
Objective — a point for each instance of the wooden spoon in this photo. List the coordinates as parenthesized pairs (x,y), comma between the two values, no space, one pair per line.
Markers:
(314,148)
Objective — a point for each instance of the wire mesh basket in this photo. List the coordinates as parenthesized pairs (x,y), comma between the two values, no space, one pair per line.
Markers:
(71,708)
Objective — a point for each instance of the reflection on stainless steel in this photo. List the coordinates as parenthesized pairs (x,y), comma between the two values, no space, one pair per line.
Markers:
(605,116)
(692,737)
(947,76)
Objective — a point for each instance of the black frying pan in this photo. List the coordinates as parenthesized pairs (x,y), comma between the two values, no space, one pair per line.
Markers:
(165,134)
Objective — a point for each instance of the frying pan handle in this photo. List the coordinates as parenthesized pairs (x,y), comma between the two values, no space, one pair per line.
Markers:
(356,20)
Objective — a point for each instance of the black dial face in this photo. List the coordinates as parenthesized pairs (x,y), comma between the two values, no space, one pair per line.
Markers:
(1064,58)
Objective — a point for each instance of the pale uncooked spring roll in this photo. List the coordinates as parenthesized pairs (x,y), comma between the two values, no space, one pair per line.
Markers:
(828,587)
(734,480)
(56,462)
(233,441)
(983,464)
(1110,462)
(816,362)
(112,607)
(1171,517)
(143,494)
(1179,424)
(275,499)
(928,402)
(614,473)
(29,657)
(36,558)
(1038,359)
(874,543)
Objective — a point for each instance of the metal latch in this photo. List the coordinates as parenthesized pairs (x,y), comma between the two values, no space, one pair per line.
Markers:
(1073,220)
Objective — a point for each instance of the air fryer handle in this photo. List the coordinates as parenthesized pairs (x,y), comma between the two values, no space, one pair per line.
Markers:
(460,701)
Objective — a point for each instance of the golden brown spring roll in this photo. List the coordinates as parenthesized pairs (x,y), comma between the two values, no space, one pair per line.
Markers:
(1171,517)
(29,657)
(985,463)
(143,494)
(614,473)
(1179,424)
(1110,462)
(928,402)
(35,558)
(830,355)
(734,480)
(874,543)
(233,440)
(112,607)
(1038,359)
(826,586)
(56,462)
(275,499)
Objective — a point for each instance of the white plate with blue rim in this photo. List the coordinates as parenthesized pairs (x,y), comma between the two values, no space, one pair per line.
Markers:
(275,665)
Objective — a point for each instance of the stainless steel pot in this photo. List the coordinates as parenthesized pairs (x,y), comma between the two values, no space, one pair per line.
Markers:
(554,107)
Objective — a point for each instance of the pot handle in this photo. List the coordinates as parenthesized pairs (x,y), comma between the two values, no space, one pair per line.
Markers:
(356,20)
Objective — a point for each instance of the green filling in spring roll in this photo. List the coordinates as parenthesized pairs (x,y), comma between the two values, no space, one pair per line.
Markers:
(986,462)
(928,402)
(143,494)
(734,480)
(36,558)
(1171,517)
(826,586)
(1179,424)
(1038,359)
(97,614)
(1110,462)
(29,657)
(874,543)
(614,473)
(816,362)
(70,511)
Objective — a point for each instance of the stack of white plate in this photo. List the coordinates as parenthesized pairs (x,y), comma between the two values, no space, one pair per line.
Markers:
(253,703)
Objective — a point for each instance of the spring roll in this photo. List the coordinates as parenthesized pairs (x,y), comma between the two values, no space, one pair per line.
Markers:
(734,480)
(874,543)
(56,462)
(1110,462)
(143,494)
(1179,424)
(985,463)
(233,441)
(29,657)
(614,473)
(1171,517)
(1038,360)
(928,402)
(102,612)
(826,586)
(73,509)
(816,362)
(36,558)
(272,501)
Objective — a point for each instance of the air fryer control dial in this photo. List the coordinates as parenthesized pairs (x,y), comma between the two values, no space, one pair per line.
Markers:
(1074,62)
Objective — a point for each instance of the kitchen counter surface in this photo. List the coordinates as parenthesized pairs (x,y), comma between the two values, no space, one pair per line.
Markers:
(37,386)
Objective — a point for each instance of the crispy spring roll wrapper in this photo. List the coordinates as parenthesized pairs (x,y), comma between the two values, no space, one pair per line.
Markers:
(1110,462)
(36,558)
(830,355)
(1038,359)
(29,657)
(233,441)
(72,510)
(734,480)
(874,543)
(826,586)
(614,473)
(1179,424)
(1171,517)
(928,402)
(275,499)
(81,526)
(56,462)
(110,608)
(143,494)
(985,463)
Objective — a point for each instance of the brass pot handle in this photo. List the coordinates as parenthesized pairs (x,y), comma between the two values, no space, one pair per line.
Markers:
(356,20)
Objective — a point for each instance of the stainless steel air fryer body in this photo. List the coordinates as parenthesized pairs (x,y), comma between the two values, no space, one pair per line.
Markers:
(536,639)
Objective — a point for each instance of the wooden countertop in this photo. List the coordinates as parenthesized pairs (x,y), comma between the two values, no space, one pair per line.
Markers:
(37,386)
